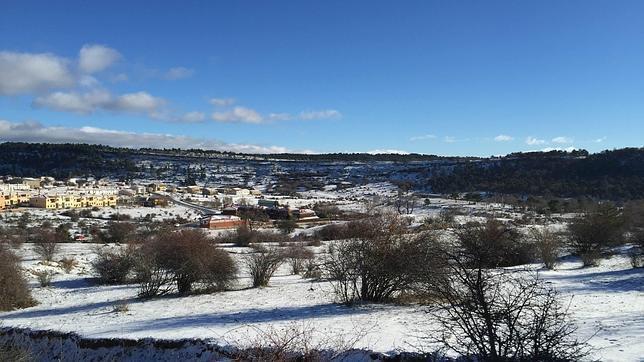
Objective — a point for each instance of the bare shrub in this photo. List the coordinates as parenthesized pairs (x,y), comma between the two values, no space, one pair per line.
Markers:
(405,201)
(13,353)
(118,232)
(496,315)
(312,269)
(184,258)
(286,226)
(494,244)
(332,232)
(44,278)
(121,308)
(296,256)
(12,236)
(592,233)
(296,342)
(548,245)
(381,262)
(245,236)
(14,292)
(262,263)
(68,264)
(45,243)
(113,266)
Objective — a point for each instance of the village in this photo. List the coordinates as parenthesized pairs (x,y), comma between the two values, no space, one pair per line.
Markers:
(214,207)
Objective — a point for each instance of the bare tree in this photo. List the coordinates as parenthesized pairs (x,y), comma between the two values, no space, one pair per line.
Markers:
(45,243)
(184,258)
(405,202)
(297,255)
(548,244)
(262,263)
(379,262)
(14,292)
(498,315)
(596,230)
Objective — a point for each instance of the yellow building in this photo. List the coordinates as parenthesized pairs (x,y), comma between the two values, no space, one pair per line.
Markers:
(72,201)
(2,207)
(15,199)
(156,187)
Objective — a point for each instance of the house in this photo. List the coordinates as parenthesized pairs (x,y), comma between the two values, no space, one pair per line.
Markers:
(138,189)
(230,210)
(267,203)
(33,183)
(304,214)
(193,189)
(2,207)
(221,222)
(156,187)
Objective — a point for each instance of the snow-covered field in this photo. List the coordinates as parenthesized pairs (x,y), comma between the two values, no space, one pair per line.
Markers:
(607,302)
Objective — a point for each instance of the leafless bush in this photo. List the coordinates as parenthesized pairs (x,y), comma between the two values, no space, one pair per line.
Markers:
(332,232)
(297,255)
(312,269)
(184,258)
(12,236)
(592,233)
(10,352)
(262,263)
(113,266)
(245,236)
(297,342)
(548,245)
(381,262)
(494,244)
(405,202)
(45,243)
(68,264)
(118,232)
(496,315)
(44,278)
(14,292)
(121,308)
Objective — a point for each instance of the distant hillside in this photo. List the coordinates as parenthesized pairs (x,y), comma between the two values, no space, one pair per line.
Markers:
(617,174)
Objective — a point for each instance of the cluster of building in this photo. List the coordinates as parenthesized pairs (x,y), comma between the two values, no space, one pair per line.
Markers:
(47,193)
(231,215)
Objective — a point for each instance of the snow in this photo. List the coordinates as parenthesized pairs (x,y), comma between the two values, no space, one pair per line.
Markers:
(607,302)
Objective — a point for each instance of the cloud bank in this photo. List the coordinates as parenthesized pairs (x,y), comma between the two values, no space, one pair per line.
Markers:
(37,132)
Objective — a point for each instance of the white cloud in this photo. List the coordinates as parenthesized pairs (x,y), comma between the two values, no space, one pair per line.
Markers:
(27,73)
(137,102)
(95,58)
(388,151)
(423,137)
(193,117)
(532,141)
(503,138)
(99,99)
(562,140)
(280,117)
(600,140)
(449,139)
(37,132)
(324,114)
(222,102)
(82,103)
(178,73)
(238,114)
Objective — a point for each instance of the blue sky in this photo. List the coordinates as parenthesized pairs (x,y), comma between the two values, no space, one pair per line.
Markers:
(440,77)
